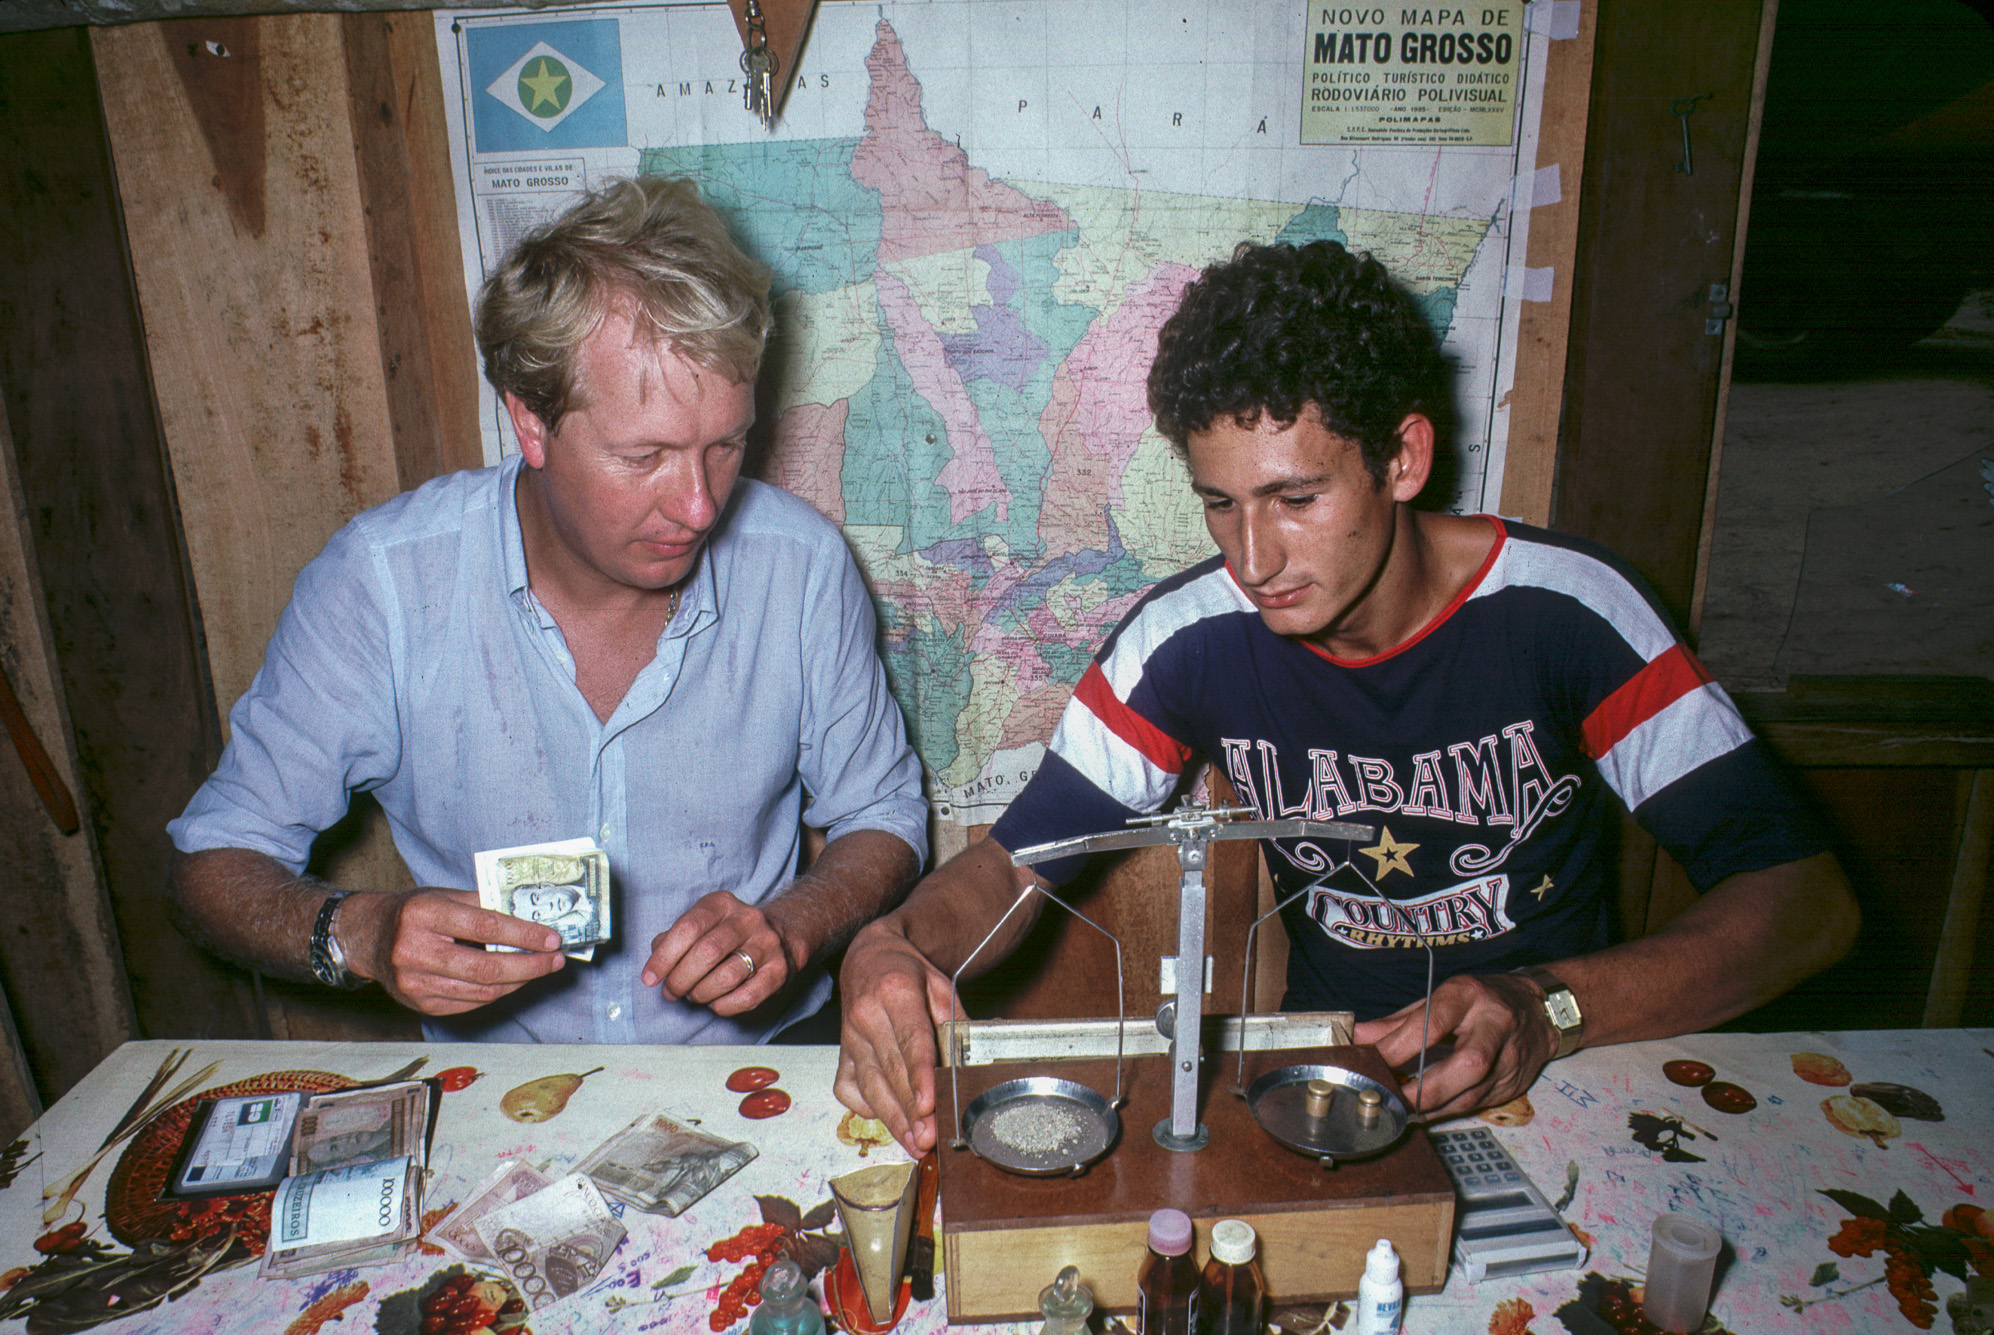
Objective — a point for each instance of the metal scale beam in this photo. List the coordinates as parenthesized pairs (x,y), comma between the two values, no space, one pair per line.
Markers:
(1192,828)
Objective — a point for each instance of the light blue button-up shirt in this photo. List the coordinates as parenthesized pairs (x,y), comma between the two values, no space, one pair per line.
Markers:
(414,662)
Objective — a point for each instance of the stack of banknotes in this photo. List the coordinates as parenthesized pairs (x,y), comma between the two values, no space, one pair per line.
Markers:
(552,1236)
(354,1194)
(563,885)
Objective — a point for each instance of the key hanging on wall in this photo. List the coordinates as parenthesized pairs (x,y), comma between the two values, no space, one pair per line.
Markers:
(772,34)
(758,69)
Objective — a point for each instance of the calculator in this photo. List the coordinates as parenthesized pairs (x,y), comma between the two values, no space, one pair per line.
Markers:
(1502,1225)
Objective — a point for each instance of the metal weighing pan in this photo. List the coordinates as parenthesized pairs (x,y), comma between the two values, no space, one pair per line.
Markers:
(1279,1102)
(1040,1126)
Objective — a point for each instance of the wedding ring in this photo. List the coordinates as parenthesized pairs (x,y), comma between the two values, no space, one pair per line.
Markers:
(746,959)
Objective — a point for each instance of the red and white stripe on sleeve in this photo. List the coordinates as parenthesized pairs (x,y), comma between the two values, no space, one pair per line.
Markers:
(1666,720)
(1133,759)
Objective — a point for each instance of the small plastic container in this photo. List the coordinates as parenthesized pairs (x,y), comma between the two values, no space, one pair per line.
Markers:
(1380,1293)
(1682,1259)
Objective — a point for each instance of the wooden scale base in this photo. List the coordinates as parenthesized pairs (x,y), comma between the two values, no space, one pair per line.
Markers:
(1005,1237)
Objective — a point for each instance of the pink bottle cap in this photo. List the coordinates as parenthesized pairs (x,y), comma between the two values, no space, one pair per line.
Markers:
(1170,1232)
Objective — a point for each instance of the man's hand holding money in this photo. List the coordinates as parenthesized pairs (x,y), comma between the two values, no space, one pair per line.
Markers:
(427,948)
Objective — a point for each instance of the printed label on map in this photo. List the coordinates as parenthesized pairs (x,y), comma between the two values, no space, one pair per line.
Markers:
(983,799)
(568,176)
(1412,74)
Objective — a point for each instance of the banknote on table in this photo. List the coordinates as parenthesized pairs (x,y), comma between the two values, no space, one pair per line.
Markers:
(338,1258)
(344,1128)
(554,1243)
(662,1166)
(356,1214)
(563,885)
(515,1180)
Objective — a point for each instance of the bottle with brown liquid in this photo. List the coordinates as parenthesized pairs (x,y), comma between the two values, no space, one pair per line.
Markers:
(1232,1298)
(1167,1284)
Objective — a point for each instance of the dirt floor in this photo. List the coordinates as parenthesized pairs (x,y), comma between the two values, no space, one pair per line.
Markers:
(1855,519)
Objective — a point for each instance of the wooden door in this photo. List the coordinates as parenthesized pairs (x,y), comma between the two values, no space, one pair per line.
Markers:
(1658,250)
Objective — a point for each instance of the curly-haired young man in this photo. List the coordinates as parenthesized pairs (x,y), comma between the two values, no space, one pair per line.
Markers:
(1480,692)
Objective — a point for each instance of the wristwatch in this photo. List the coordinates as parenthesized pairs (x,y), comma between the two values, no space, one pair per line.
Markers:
(1560,1007)
(328,960)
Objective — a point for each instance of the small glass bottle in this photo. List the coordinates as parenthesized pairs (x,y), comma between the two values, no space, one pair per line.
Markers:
(1066,1303)
(1232,1299)
(786,1307)
(1167,1283)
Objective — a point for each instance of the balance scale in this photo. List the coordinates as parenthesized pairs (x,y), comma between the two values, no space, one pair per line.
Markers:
(1044,1170)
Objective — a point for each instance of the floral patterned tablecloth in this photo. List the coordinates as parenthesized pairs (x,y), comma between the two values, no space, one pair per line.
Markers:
(1847,1172)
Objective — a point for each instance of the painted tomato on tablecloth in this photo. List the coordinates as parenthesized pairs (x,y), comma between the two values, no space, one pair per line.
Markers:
(1726,1097)
(764,1103)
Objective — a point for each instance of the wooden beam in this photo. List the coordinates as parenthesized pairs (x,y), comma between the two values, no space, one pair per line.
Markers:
(1543,329)
(1952,969)
(1761,70)
(1644,371)
(19,1104)
(1858,721)
(65,978)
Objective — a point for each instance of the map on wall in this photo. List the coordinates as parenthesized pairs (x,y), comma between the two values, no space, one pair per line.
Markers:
(978,214)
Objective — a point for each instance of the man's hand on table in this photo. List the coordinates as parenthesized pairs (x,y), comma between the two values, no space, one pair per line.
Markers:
(1496,1026)
(699,958)
(426,947)
(893,1001)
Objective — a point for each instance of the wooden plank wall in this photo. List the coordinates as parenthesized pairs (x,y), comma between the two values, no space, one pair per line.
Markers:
(93,473)
(294,257)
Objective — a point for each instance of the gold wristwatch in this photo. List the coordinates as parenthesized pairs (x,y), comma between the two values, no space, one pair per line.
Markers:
(1560,1007)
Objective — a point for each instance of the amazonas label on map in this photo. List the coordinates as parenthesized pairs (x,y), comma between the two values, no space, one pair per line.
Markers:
(1412,74)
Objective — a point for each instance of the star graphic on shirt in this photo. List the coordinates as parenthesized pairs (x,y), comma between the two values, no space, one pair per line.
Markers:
(547,81)
(1389,854)
(1541,889)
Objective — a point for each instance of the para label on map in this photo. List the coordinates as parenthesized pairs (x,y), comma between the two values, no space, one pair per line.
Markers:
(1412,74)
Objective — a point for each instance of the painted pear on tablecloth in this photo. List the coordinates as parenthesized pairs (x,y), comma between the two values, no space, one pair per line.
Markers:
(542,1099)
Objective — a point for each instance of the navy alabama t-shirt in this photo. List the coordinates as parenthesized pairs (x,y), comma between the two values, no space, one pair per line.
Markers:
(1482,751)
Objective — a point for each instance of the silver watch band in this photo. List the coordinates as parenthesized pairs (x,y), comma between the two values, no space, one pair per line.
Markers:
(328,959)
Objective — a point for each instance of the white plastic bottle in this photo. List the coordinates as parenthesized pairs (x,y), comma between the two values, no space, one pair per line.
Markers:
(1380,1294)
